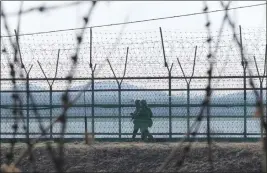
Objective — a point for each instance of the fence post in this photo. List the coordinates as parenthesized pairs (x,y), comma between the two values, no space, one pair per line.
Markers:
(265,67)
(50,92)
(170,106)
(188,82)
(93,85)
(0,97)
(169,72)
(245,104)
(28,106)
(119,86)
(261,91)
(93,105)
(188,111)
(51,103)
(119,111)
(85,117)
(244,65)
(261,96)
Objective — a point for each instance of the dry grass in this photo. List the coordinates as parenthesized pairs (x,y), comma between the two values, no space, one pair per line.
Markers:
(144,157)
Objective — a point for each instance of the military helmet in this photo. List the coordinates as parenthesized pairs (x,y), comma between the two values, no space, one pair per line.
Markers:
(137,102)
(143,103)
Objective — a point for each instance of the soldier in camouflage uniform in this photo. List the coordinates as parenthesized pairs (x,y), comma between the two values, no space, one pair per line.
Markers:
(145,114)
(135,118)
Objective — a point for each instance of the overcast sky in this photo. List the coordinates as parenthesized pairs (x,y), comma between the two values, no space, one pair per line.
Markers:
(113,12)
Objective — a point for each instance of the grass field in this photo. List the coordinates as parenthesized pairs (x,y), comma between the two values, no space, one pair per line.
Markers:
(144,157)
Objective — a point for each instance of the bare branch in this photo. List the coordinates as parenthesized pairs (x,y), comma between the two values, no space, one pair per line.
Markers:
(17,40)
(208,88)
(258,98)
(221,29)
(257,68)
(6,26)
(19,16)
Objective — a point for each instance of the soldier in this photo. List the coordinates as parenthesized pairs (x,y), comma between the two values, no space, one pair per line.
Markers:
(146,117)
(135,118)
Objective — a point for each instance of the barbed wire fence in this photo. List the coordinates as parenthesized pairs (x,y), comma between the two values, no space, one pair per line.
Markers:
(147,59)
(146,63)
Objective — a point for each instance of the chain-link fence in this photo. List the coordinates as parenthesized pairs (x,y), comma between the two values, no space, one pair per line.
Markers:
(135,70)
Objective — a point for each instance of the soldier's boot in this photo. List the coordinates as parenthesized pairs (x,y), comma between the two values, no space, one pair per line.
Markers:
(134,133)
(150,137)
(143,136)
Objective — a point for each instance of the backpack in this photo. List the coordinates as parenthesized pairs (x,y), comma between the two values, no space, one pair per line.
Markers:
(146,115)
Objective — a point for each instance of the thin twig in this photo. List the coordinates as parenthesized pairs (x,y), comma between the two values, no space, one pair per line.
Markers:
(18,46)
(256,65)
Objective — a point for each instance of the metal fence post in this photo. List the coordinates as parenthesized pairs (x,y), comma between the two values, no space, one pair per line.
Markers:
(93,85)
(119,87)
(245,105)
(119,110)
(169,72)
(51,109)
(188,82)
(85,117)
(50,92)
(261,97)
(170,106)
(93,104)
(188,111)
(0,98)
(261,90)
(28,106)
(244,65)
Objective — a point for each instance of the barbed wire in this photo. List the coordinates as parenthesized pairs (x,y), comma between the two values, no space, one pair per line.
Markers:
(145,52)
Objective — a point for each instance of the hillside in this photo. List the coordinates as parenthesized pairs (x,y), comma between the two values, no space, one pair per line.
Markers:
(128,97)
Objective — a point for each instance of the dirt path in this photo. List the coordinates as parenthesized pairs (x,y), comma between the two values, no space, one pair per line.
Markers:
(145,157)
